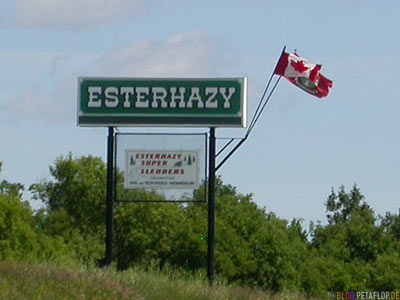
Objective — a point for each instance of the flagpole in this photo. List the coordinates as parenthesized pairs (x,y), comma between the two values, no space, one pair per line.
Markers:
(265,104)
(248,132)
(257,113)
(265,91)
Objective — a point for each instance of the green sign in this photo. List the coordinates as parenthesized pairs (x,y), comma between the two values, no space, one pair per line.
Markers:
(219,102)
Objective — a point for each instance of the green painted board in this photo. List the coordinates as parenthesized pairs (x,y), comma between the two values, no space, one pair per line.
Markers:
(175,102)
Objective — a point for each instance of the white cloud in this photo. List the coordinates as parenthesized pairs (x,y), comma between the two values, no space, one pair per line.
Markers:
(40,104)
(184,55)
(74,14)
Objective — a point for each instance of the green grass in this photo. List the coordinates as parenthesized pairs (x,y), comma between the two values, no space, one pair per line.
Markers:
(20,281)
(25,281)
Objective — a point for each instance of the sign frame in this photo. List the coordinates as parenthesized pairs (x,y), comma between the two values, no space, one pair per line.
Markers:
(234,116)
(159,160)
(190,141)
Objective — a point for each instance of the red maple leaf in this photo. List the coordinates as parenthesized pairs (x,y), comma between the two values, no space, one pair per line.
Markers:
(299,66)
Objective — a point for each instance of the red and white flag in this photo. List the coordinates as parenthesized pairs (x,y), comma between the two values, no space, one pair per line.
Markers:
(303,74)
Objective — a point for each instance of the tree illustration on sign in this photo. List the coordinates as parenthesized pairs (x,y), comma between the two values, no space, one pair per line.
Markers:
(178,164)
(187,159)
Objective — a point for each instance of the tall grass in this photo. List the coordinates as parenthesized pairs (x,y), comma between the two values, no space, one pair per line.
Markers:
(28,281)
(22,281)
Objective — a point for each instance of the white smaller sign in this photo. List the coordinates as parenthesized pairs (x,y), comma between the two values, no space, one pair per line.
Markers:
(158,169)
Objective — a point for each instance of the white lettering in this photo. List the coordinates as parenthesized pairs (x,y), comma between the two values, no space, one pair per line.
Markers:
(127,91)
(161,97)
(222,91)
(175,98)
(195,96)
(94,92)
(159,94)
(211,101)
(111,97)
(141,101)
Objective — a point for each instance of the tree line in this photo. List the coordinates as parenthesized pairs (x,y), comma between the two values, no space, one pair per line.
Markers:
(355,250)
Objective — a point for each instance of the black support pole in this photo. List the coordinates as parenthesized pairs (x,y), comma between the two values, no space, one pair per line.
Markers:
(110,196)
(211,209)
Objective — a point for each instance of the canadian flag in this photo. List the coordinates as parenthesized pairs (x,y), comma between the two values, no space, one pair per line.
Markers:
(303,74)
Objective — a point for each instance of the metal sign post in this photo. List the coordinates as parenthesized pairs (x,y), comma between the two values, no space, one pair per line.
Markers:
(110,196)
(211,209)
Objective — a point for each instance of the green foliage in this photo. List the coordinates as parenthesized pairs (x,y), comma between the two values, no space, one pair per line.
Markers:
(58,225)
(342,206)
(11,189)
(386,272)
(352,232)
(145,232)
(391,225)
(17,238)
(359,253)
(75,206)
(252,247)
(79,189)
(20,239)
(355,250)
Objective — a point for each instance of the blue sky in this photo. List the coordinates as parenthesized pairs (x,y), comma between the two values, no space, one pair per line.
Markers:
(300,148)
